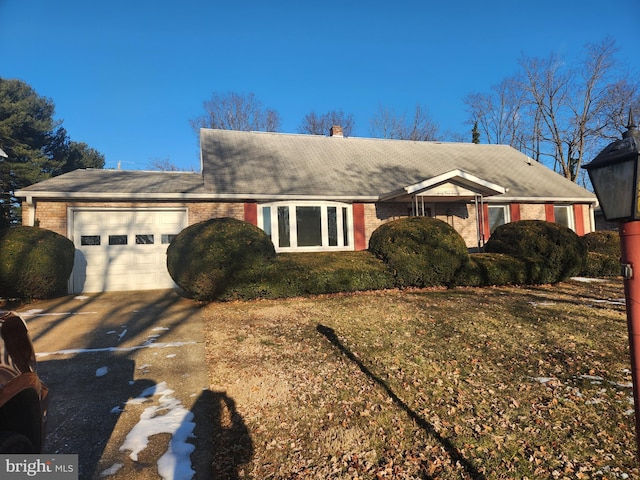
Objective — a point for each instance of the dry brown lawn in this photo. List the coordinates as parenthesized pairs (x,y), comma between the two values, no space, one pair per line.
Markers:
(448,384)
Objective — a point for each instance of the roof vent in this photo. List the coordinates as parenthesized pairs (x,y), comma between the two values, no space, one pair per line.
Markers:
(335,131)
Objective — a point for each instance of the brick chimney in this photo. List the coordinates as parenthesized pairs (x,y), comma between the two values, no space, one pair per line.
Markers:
(335,131)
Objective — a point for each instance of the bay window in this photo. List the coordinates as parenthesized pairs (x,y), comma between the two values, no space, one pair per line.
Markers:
(307,226)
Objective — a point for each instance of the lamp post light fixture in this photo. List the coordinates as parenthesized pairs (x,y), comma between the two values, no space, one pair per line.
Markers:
(615,177)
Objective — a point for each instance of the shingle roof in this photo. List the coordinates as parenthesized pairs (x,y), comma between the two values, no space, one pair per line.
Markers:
(255,165)
(86,182)
(246,163)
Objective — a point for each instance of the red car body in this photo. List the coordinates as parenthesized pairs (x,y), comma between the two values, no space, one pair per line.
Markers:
(23,396)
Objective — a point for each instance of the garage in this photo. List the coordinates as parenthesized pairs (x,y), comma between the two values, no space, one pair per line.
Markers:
(123,249)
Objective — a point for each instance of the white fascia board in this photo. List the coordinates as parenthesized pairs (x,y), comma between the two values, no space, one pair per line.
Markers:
(184,196)
(452,175)
(504,199)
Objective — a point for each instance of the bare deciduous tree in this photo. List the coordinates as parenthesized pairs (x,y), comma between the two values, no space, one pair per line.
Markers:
(417,126)
(314,124)
(498,113)
(235,111)
(553,110)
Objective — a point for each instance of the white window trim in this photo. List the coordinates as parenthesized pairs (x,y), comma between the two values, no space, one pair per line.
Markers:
(293,233)
(570,215)
(505,208)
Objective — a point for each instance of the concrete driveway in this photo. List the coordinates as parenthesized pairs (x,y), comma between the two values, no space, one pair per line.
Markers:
(128,383)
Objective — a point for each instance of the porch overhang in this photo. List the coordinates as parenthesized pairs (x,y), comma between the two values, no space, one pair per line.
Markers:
(450,186)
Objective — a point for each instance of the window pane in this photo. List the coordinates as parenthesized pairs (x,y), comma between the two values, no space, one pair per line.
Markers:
(332,219)
(561,213)
(266,220)
(90,240)
(284,239)
(167,238)
(496,218)
(117,239)
(145,239)
(345,227)
(309,226)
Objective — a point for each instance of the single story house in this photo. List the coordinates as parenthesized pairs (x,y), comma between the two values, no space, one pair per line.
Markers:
(307,192)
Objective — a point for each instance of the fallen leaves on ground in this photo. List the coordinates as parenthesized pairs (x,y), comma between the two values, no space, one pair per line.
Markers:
(464,383)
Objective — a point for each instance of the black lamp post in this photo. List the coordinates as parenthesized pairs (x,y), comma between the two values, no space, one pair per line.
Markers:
(614,175)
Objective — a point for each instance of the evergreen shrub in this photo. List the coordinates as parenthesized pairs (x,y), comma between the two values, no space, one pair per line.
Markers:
(209,257)
(551,252)
(420,251)
(34,263)
(603,256)
(314,273)
(486,269)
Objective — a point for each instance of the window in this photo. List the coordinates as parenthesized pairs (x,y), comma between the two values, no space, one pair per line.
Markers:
(146,239)
(90,240)
(564,215)
(307,226)
(117,239)
(498,215)
(167,238)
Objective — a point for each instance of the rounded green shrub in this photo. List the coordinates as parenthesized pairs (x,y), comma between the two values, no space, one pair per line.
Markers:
(209,257)
(552,252)
(486,269)
(603,257)
(420,251)
(34,263)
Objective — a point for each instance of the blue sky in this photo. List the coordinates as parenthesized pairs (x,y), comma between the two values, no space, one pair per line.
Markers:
(126,76)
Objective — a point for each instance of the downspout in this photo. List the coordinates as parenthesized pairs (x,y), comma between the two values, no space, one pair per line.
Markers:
(31,212)
(478,229)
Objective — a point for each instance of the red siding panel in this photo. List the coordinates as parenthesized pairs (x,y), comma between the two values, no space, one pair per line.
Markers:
(251,213)
(359,235)
(579,219)
(484,222)
(515,212)
(549,214)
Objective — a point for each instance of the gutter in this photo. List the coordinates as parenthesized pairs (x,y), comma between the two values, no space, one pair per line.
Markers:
(160,197)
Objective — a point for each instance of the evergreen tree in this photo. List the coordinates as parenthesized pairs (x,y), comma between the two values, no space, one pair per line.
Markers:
(37,147)
(475,134)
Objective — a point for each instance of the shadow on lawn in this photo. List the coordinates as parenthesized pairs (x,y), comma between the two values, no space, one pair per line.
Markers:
(453,452)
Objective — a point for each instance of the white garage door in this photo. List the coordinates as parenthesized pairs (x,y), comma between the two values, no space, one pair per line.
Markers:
(123,249)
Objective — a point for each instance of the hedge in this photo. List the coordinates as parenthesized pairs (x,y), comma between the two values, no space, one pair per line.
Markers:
(34,263)
(420,251)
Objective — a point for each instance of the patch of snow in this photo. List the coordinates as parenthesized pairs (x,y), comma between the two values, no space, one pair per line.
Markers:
(112,470)
(588,280)
(543,379)
(102,371)
(75,351)
(171,355)
(159,328)
(81,297)
(171,417)
(617,301)
(122,333)
(541,304)
(150,339)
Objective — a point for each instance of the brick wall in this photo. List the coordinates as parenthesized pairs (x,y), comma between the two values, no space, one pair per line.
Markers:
(530,211)
(460,216)
(53,215)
